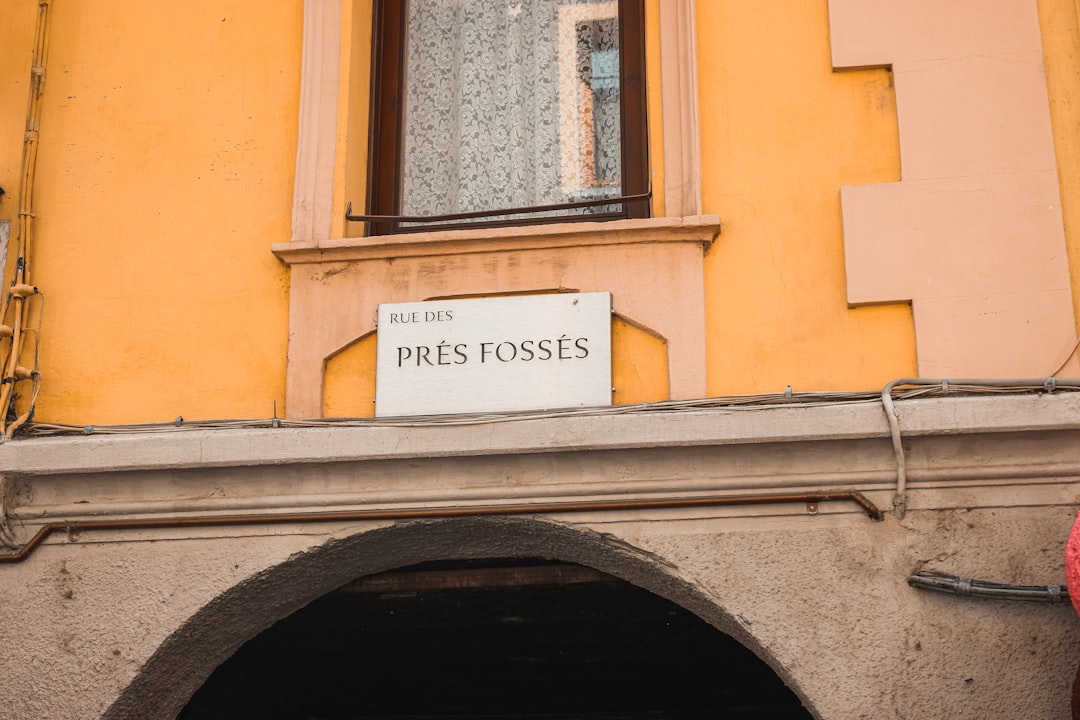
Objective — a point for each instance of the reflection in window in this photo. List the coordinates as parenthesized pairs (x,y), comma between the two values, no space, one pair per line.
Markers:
(598,92)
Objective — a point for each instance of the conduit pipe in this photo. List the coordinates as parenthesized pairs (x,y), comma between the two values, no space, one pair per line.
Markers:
(956,585)
(811,500)
(21,290)
(1047,384)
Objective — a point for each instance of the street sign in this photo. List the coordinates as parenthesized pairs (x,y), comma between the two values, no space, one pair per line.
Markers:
(525,352)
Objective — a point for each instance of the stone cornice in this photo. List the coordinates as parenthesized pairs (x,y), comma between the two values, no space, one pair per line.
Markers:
(746,425)
(961,452)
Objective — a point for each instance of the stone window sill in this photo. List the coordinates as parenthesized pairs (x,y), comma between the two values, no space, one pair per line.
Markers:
(701,229)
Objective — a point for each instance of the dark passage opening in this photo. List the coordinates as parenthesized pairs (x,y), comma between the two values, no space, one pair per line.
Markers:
(494,640)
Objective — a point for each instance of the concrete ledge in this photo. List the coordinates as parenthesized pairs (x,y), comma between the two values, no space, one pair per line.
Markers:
(701,229)
(961,452)
(746,425)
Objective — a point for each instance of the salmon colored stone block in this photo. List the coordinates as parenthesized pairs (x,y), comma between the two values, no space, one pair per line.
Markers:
(972,235)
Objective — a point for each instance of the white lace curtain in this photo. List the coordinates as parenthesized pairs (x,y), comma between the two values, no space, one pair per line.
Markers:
(510,103)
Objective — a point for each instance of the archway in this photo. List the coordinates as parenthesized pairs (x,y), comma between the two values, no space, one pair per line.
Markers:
(325,576)
(497,639)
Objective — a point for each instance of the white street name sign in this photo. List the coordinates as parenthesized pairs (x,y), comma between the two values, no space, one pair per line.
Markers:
(527,352)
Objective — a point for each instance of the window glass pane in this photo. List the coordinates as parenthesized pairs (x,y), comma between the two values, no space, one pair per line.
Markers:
(509,104)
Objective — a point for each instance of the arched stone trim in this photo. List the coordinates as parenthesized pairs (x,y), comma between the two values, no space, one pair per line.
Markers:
(190,654)
(319,99)
(650,265)
(319,72)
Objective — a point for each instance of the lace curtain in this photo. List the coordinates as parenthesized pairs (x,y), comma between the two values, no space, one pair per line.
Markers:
(509,104)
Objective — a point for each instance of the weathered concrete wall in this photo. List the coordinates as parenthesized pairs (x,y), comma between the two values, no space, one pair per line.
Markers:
(128,622)
(135,627)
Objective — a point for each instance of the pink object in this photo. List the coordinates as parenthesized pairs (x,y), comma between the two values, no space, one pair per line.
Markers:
(1072,565)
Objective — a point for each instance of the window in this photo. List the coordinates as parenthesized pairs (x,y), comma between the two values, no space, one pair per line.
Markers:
(506,112)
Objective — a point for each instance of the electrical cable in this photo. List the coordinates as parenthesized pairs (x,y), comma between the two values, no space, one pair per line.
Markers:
(21,292)
(1071,352)
(946,386)
(956,585)
(731,403)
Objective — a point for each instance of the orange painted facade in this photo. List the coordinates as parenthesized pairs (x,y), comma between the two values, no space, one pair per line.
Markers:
(850,200)
(168,166)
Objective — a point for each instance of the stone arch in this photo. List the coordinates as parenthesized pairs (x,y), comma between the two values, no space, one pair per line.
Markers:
(190,654)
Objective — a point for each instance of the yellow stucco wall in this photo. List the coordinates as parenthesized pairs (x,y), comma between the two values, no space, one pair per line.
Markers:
(166,168)
(168,138)
(16,47)
(780,134)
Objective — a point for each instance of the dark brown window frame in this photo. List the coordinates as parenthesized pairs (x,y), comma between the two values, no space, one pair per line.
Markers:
(386,129)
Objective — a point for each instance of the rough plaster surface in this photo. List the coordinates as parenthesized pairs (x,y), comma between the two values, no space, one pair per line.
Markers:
(832,608)
(972,235)
(130,630)
(85,618)
(129,623)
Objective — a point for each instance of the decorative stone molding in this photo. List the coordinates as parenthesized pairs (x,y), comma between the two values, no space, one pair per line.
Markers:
(701,230)
(312,211)
(653,268)
(319,100)
(682,145)
(972,235)
(963,452)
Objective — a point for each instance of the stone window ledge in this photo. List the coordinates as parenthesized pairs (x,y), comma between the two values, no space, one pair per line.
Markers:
(701,229)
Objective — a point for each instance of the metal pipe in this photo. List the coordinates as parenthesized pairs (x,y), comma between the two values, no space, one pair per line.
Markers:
(44,531)
(621,199)
(18,297)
